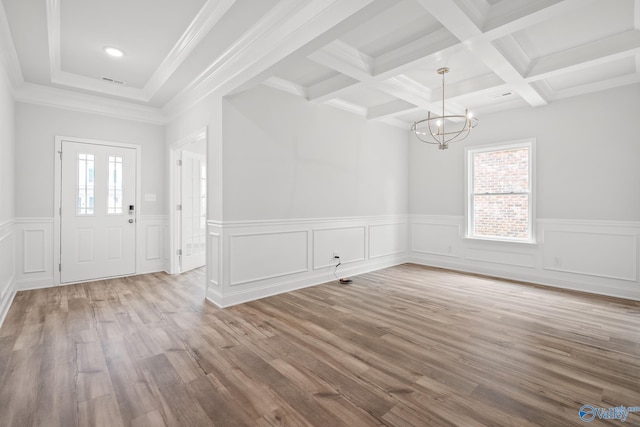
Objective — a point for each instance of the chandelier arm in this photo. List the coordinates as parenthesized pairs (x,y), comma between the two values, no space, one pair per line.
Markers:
(457,134)
(418,134)
(442,136)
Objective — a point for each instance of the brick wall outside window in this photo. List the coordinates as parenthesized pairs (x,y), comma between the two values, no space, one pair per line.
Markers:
(499,213)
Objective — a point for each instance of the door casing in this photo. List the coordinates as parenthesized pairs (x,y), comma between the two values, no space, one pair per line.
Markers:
(174,196)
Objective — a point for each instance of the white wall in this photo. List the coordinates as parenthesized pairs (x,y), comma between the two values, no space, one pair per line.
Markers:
(290,183)
(36,127)
(300,183)
(587,156)
(588,196)
(7,195)
(205,115)
(287,158)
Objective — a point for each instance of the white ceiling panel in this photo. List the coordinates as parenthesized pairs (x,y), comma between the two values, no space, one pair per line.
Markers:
(304,72)
(374,58)
(146,39)
(593,21)
(392,29)
(597,73)
(28,25)
(368,97)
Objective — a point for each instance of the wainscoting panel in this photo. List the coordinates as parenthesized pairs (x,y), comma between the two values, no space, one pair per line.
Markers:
(213,258)
(613,256)
(7,267)
(387,239)
(260,256)
(592,256)
(151,243)
(257,259)
(348,242)
(436,238)
(506,257)
(34,250)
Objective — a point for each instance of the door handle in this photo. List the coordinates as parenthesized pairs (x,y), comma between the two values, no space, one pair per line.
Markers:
(131,221)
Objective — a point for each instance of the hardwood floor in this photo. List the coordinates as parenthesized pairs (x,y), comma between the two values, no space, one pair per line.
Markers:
(405,346)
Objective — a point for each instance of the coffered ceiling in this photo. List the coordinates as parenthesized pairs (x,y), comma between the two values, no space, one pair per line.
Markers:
(375,58)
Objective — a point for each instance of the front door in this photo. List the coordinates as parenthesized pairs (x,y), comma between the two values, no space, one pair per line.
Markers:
(98,212)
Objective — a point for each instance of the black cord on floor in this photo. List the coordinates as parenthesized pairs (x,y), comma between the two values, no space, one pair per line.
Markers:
(343,280)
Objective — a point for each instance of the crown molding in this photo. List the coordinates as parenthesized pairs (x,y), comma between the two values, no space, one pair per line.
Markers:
(61,98)
(210,14)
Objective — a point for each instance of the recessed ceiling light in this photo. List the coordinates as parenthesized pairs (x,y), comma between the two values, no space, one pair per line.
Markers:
(113,51)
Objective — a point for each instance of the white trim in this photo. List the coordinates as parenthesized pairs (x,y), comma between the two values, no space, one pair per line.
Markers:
(85,103)
(329,220)
(616,274)
(57,231)
(530,144)
(531,277)
(208,16)
(315,278)
(7,231)
(175,154)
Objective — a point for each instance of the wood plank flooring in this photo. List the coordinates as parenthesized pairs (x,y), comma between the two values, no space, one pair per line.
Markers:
(404,346)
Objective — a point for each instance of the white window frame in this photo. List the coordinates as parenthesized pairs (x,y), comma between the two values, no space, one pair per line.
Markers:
(469,152)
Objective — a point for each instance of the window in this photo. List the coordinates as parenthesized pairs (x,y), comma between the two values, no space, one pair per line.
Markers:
(85,184)
(114,196)
(500,182)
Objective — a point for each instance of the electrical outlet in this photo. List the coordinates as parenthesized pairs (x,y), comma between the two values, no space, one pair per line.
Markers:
(556,262)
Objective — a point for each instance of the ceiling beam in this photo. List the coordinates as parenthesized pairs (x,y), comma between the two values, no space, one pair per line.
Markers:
(507,17)
(461,25)
(298,29)
(208,16)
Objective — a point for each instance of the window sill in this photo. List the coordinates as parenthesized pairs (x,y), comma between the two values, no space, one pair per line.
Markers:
(488,239)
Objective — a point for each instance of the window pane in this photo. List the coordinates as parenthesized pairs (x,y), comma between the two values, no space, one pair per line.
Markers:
(114,198)
(85,184)
(502,216)
(502,171)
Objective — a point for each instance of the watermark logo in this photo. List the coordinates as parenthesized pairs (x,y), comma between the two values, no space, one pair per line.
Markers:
(589,413)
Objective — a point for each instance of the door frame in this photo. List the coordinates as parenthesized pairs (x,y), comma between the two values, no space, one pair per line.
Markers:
(57,196)
(175,227)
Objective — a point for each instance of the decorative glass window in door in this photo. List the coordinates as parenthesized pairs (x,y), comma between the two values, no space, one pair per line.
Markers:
(86,172)
(114,201)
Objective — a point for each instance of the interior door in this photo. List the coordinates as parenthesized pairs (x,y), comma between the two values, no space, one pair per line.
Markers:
(98,216)
(193,219)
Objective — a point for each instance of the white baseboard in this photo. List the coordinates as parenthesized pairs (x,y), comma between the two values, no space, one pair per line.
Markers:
(285,284)
(5,304)
(599,257)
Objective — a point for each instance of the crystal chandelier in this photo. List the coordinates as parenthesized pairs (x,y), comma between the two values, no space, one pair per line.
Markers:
(443,129)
